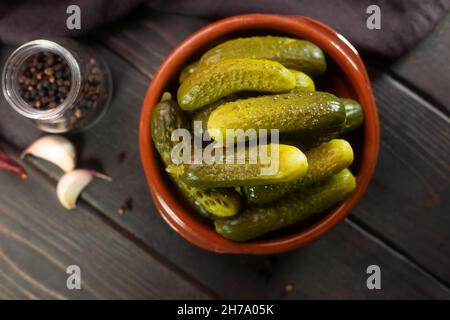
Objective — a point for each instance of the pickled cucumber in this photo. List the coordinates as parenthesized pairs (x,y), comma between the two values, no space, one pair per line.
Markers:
(212,82)
(281,164)
(292,53)
(166,117)
(187,71)
(302,114)
(353,119)
(256,220)
(353,114)
(303,81)
(203,114)
(323,161)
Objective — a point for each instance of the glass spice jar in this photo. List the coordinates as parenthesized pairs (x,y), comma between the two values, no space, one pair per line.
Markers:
(60,85)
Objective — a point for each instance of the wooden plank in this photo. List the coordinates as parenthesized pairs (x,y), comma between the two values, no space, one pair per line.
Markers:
(313,269)
(39,240)
(427,69)
(407,201)
(149,37)
(394,102)
(332,267)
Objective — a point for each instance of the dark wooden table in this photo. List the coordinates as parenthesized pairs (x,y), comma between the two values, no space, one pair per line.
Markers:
(402,224)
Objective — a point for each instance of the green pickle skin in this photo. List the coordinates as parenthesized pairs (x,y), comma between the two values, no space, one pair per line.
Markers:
(210,83)
(302,82)
(257,220)
(202,115)
(188,70)
(297,54)
(253,83)
(166,117)
(324,161)
(354,117)
(292,164)
(354,114)
(301,114)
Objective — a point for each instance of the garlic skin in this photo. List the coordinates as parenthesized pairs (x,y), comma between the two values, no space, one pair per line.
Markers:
(56,149)
(73,183)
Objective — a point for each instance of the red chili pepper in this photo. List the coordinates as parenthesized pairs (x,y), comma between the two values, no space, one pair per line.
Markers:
(8,164)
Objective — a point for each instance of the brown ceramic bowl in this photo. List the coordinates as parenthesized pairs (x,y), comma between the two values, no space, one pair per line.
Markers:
(346,77)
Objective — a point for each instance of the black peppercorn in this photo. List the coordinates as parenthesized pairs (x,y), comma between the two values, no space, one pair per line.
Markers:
(45,81)
(39,84)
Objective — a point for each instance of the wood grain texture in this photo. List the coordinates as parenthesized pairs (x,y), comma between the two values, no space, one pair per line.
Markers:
(39,240)
(149,37)
(337,261)
(332,267)
(427,67)
(387,178)
(407,201)
(415,139)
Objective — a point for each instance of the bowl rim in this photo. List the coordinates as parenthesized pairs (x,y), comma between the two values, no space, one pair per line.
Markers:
(335,46)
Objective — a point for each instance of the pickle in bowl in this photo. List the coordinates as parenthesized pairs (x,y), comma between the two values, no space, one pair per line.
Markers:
(212,82)
(299,113)
(167,117)
(282,163)
(257,220)
(297,54)
(261,85)
(323,161)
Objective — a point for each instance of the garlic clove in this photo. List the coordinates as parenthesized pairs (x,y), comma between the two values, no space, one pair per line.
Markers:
(56,149)
(73,183)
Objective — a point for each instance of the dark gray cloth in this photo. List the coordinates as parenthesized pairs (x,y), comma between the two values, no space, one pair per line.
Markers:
(24,20)
(403,22)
